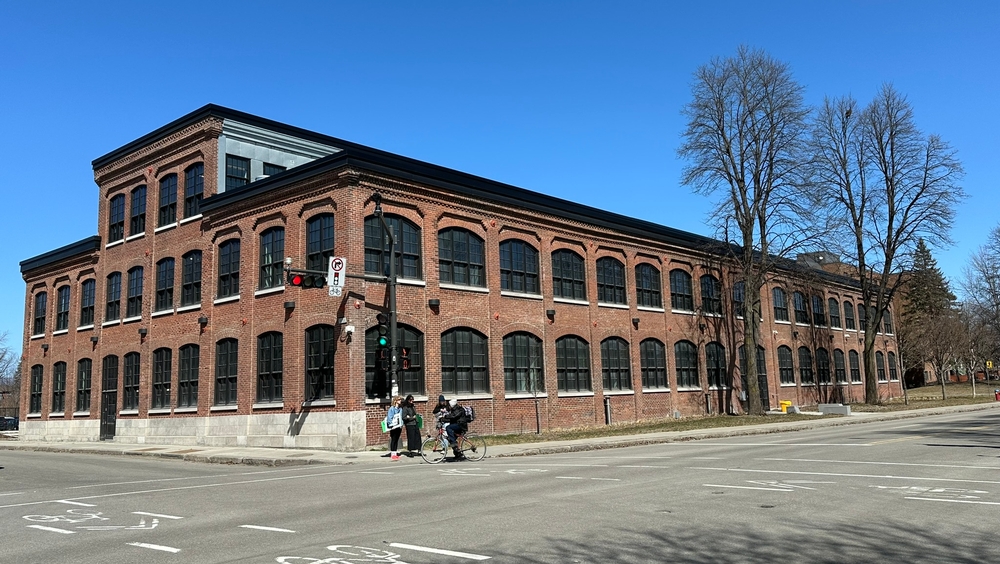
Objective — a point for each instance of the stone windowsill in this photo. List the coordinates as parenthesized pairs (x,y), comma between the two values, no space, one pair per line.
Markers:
(227,299)
(461,288)
(510,294)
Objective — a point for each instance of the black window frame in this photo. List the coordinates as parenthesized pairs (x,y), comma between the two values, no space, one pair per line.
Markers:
(862,318)
(164,285)
(839,367)
(611,281)
(41,312)
(133,303)
(833,307)
(116,218)
(715,366)
(893,366)
(461,258)
(818,311)
(786,366)
(272,258)
(321,345)
(237,171)
(653,364)
(191,278)
(320,239)
(113,295)
(229,269)
(189,363)
(137,211)
(130,381)
(62,307)
(887,326)
(226,372)
(59,387)
(780,299)
(35,393)
(849,316)
(409,254)
(194,189)
(648,286)
(84,383)
(801,305)
(464,362)
(569,275)
(686,365)
(270,367)
(823,375)
(270,169)
(523,363)
(711,294)
(739,297)
(168,201)
(519,267)
(880,367)
(573,365)
(854,361)
(162,378)
(616,364)
(806,375)
(88,295)
(681,291)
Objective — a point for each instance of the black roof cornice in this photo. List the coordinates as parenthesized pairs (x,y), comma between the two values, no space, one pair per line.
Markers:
(88,245)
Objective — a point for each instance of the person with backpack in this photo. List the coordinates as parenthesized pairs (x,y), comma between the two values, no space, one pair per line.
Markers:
(458,424)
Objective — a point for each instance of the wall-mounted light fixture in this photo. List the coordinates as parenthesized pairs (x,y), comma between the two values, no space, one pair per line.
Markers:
(45,346)
(701,327)
(795,334)
(550,313)
(93,339)
(143,331)
(203,320)
(289,305)
(434,302)
(635,321)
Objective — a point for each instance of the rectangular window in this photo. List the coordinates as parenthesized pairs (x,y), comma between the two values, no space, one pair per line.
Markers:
(272,256)
(41,304)
(229,269)
(164,284)
(191,278)
(133,307)
(269,367)
(272,169)
(162,369)
(225,372)
(137,222)
(319,362)
(87,292)
(83,377)
(187,377)
(35,399)
(112,310)
(59,387)
(168,200)
(116,218)
(62,308)
(194,187)
(130,386)
(237,172)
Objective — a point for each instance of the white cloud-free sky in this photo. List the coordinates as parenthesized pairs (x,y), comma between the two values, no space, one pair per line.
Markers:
(580,100)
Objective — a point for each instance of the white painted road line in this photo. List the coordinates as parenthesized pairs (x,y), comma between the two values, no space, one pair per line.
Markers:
(68,502)
(375,472)
(880,463)
(155,547)
(746,488)
(954,500)
(607,479)
(160,515)
(262,528)
(842,475)
(51,529)
(569,478)
(11,493)
(439,551)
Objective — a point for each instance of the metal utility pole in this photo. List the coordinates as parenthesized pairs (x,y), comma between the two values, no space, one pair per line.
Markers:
(390,282)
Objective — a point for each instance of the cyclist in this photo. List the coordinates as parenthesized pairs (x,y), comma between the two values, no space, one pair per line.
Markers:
(458,424)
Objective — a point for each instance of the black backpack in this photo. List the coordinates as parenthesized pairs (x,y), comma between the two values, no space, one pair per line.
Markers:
(470,413)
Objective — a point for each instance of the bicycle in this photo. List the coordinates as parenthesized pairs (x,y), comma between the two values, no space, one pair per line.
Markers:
(434,449)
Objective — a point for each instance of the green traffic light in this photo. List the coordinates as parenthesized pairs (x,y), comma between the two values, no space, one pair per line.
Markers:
(383,341)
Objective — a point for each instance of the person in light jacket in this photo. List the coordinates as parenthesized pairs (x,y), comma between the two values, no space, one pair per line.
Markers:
(410,423)
(394,417)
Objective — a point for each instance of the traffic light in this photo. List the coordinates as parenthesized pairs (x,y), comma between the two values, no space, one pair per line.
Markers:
(383,359)
(404,355)
(306,280)
(383,329)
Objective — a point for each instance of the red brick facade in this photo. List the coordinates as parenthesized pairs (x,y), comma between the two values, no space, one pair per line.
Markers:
(344,189)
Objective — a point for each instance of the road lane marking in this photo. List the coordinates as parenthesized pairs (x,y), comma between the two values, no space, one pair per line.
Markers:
(569,478)
(375,472)
(642,466)
(899,440)
(160,515)
(154,546)
(262,528)
(68,502)
(705,458)
(711,444)
(51,529)
(11,493)
(439,551)
(881,463)
(747,488)
(954,500)
(843,475)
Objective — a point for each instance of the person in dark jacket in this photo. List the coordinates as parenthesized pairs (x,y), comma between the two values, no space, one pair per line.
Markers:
(410,422)
(458,424)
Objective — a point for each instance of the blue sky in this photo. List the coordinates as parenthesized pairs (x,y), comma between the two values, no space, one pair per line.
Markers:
(579,100)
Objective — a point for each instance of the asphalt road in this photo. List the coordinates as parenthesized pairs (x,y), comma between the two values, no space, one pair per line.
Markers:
(916,490)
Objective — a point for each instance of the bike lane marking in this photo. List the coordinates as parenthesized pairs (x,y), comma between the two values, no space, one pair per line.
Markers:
(160,515)
(263,528)
(154,547)
(51,529)
(954,500)
(68,502)
(440,551)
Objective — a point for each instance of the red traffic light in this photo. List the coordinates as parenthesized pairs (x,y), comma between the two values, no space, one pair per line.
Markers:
(296,280)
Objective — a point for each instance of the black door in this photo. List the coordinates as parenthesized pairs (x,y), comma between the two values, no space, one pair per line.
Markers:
(109,403)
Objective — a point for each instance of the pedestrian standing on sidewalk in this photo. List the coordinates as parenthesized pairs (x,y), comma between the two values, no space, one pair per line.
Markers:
(410,423)
(394,422)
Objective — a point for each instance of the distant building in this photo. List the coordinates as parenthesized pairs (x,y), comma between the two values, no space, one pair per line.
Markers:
(175,324)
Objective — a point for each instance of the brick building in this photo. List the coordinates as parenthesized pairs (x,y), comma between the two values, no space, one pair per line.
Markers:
(174,324)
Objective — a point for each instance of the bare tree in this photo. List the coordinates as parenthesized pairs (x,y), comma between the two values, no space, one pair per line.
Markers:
(887,186)
(10,382)
(744,140)
(981,285)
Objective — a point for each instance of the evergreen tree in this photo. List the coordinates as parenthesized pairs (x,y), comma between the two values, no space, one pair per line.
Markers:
(927,303)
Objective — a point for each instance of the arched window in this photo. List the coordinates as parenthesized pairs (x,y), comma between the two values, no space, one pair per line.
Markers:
(116,218)
(834,308)
(130,383)
(862,318)
(780,304)
(164,286)
(786,371)
(270,367)
(272,257)
(408,253)
(191,278)
(681,293)
(84,369)
(715,365)
(194,188)
(653,364)
(569,279)
(573,364)
(852,357)
(880,365)
(819,315)
(62,308)
(711,295)
(35,399)
(805,366)
(88,291)
(523,366)
(839,367)
(464,362)
(616,368)
(162,375)
(739,298)
(610,281)
(518,267)
(319,241)
(168,200)
(887,322)
(849,316)
(823,365)
(187,376)
(411,380)
(801,309)
(137,218)
(229,269)
(686,364)
(226,370)
(113,295)
(461,258)
(647,286)
(41,306)
(133,307)
(320,348)
(59,387)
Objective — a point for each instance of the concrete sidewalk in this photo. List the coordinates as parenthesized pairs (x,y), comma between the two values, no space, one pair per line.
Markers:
(290,457)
